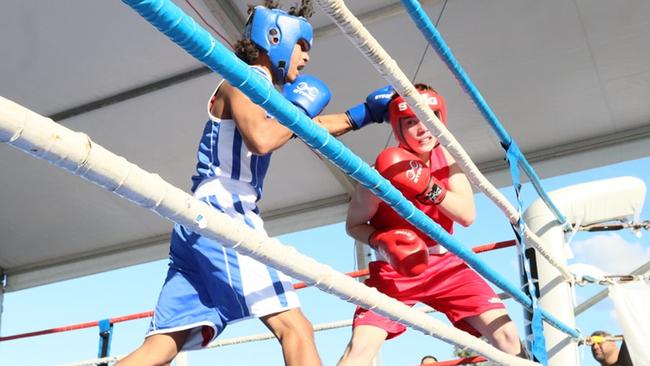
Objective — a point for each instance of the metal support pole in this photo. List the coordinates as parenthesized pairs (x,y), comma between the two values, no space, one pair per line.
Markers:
(3,286)
(603,294)
(365,256)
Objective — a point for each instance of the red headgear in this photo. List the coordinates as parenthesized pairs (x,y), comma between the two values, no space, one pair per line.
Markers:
(399,109)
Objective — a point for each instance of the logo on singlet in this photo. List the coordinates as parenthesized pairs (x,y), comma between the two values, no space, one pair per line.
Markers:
(494,300)
(309,92)
(414,172)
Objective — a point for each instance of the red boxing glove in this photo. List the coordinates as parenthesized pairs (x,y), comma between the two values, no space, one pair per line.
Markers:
(406,252)
(410,175)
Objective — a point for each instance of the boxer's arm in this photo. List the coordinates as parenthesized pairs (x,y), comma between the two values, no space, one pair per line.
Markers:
(373,110)
(458,203)
(337,124)
(261,134)
(362,208)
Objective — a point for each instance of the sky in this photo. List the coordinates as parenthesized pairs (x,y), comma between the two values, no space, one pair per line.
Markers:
(135,289)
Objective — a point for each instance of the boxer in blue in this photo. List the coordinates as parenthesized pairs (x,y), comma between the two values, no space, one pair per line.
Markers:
(208,285)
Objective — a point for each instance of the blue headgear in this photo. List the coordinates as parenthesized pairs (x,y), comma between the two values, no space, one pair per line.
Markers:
(277,32)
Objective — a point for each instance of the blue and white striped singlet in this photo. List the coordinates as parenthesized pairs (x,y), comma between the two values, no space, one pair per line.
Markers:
(209,285)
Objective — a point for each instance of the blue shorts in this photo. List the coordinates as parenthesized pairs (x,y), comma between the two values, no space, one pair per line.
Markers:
(209,285)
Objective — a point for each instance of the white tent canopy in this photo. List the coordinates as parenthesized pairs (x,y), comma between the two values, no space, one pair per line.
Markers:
(570,81)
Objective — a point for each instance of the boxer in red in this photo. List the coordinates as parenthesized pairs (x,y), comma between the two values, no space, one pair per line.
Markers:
(410,266)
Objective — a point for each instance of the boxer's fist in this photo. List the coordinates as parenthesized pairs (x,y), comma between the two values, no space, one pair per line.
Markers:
(405,251)
(410,175)
(373,110)
(308,93)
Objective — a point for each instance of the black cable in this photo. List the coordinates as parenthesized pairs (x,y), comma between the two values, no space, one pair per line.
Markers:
(223,38)
(426,49)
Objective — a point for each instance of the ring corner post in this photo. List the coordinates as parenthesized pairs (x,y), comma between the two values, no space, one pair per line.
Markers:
(586,203)
(554,292)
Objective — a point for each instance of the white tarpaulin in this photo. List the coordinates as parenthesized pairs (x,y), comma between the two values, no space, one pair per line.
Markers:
(631,301)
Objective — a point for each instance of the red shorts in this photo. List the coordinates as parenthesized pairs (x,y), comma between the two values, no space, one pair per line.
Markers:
(447,285)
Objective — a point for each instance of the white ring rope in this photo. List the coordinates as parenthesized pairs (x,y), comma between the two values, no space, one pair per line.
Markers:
(240,340)
(96,361)
(221,343)
(74,152)
(388,68)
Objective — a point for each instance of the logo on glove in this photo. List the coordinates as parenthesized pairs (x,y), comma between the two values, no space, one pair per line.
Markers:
(309,92)
(408,233)
(383,96)
(414,172)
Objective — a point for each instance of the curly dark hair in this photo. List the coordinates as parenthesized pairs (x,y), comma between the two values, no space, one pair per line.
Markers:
(271,4)
(306,9)
(419,87)
(246,50)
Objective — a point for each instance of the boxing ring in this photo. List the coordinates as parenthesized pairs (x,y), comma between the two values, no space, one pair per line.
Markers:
(77,153)
(226,341)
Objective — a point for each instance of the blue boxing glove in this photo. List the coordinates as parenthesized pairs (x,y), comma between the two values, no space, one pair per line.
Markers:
(374,109)
(308,93)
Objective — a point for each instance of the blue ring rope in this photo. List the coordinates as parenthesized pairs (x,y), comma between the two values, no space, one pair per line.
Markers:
(183,30)
(434,38)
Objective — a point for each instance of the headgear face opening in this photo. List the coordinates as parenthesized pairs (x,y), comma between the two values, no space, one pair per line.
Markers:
(277,32)
(398,109)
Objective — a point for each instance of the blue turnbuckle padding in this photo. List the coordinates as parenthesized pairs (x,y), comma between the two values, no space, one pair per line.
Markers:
(105,337)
